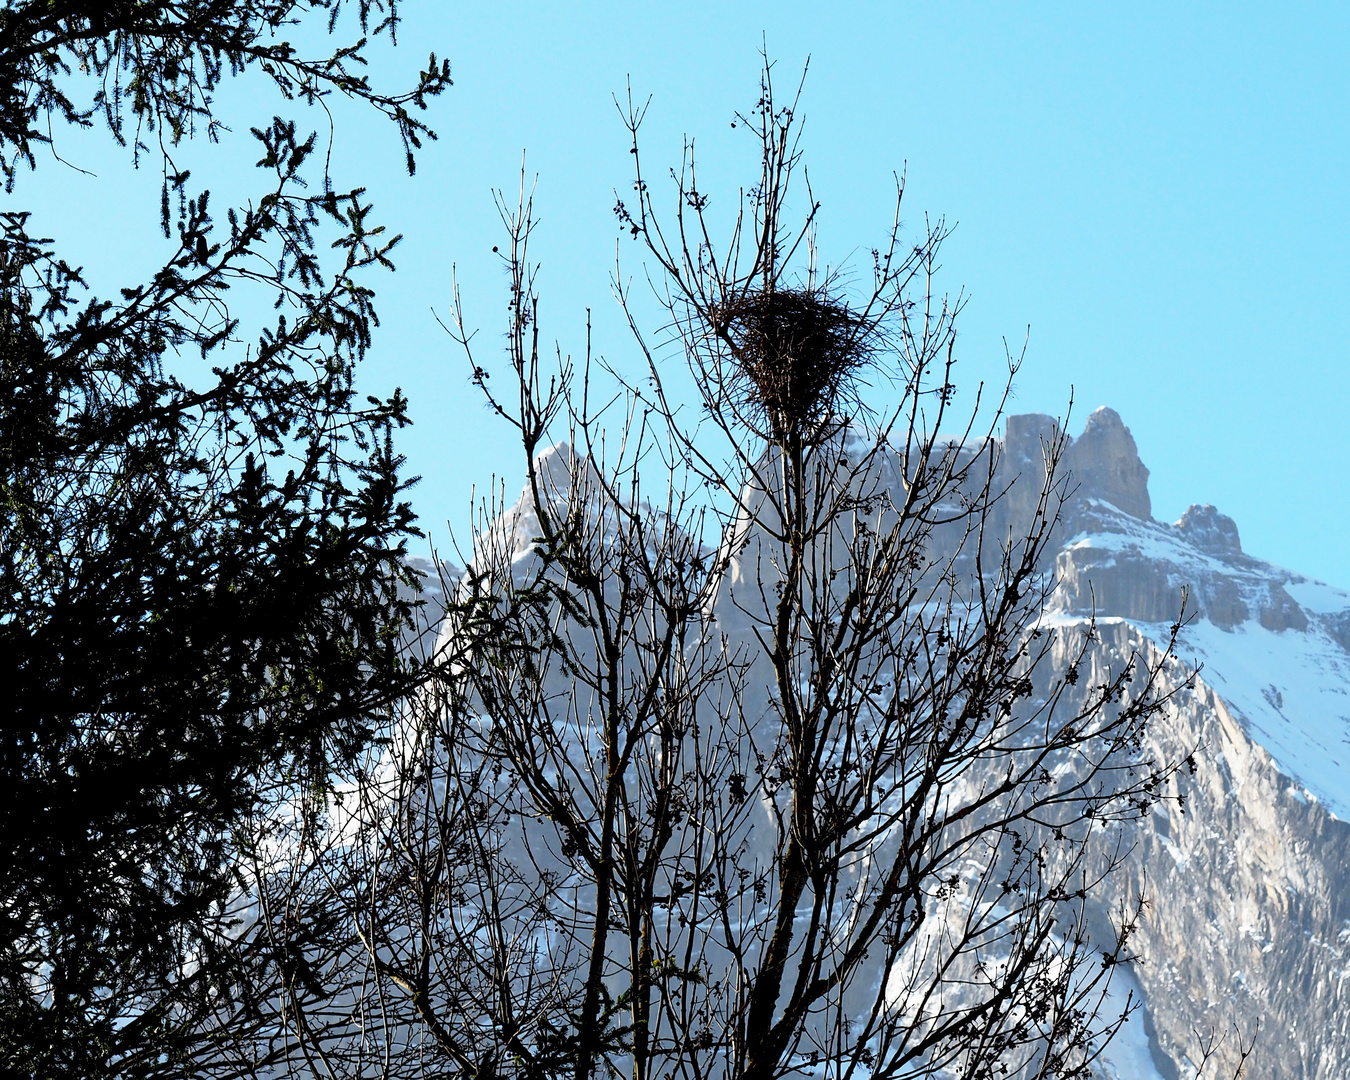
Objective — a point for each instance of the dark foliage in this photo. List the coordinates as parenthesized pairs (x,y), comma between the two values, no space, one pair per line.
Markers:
(201,615)
(157,63)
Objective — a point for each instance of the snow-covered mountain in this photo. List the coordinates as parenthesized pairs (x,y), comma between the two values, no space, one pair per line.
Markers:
(1249,888)
(1247,929)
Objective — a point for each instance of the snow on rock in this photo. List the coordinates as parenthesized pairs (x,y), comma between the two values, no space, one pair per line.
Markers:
(1249,881)
(1292,693)
(1249,886)
(1271,643)
(1128,1056)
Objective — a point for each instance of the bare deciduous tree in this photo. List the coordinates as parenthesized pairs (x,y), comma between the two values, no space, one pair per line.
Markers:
(752,751)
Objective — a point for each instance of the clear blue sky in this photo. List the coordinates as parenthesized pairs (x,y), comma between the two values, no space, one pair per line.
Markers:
(1158,190)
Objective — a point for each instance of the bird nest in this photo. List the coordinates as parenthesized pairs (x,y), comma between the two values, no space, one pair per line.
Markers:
(797,354)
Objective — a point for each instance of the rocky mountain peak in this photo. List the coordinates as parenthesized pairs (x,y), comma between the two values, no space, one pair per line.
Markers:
(1102,464)
(1248,920)
(1250,923)
(1025,433)
(1105,462)
(1212,532)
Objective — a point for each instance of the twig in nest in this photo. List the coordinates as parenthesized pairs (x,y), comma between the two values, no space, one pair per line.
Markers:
(798,353)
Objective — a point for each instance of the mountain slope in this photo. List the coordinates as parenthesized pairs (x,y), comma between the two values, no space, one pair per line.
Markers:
(1249,921)
(1248,881)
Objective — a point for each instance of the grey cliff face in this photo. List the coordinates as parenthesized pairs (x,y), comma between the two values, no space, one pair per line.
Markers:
(1210,531)
(1247,910)
(429,601)
(1248,883)
(1105,461)
(1248,879)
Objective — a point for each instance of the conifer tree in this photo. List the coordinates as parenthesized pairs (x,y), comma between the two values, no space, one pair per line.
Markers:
(199,577)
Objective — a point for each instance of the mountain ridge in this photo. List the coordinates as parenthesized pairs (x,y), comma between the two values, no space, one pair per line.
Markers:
(1248,924)
(1248,916)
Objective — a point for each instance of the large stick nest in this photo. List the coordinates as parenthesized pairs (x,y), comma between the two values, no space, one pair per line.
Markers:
(797,355)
